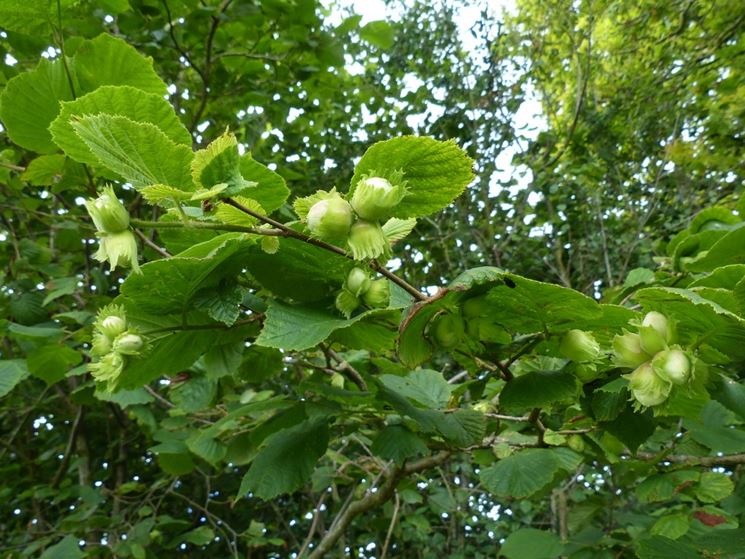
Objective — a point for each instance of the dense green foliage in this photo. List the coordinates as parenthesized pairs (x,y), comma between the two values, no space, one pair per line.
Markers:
(268,289)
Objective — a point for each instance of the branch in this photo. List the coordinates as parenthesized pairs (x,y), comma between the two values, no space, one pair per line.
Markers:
(372,500)
(727,459)
(206,225)
(289,232)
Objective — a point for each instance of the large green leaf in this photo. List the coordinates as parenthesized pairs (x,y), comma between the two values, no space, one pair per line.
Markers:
(30,102)
(169,285)
(523,305)
(271,191)
(397,443)
(306,273)
(522,474)
(108,60)
(529,543)
(539,389)
(293,327)
(729,249)
(428,388)
(26,16)
(437,172)
(286,462)
(139,152)
(12,372)
(219,163)
(52,362)
(67,548)
(126,101)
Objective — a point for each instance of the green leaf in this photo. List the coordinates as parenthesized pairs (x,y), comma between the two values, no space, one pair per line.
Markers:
(170,285)
(292,327)
(378,33)
(12,372)
(436,172)
(125,398)
(660,547)
(529,543)
(713,487)
(270,191)
(538,389)
(286,462)
(207,448)
(30,102)
(199,536)
(223,359)
(729,249)
(523,305)
(222,303)
(630,427)
(195,394)
(170,350)
(137,151)
(126,101)
(671,526)
(219,163)
(397,443)
(108,60)
(320,273)
(44,170)
(52,362)
(31,17)
(730,394)
(427,388)
(522,474)
(67,548)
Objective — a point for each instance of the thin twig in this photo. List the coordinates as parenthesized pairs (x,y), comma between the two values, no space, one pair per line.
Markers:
(372,500)
(326,246)
(394,518)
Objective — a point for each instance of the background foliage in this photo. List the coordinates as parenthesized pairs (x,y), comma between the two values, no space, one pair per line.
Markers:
(326,437)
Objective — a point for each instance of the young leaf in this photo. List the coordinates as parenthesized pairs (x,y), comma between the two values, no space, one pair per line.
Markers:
(286,462)
(137,151)
(436,172)
(126,101)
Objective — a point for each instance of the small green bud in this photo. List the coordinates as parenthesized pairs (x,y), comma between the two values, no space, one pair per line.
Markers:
(337,380)
(648,388)
(269,244)
(358,282)
(374,197)
(661,325)
(378,295)
(447,330)
(673,365)
(576,443)
(108,214)
(119,249)
(628,350)
(128,344)
(101,344)
(366,240)
(108,368)
(346,302)
(579,346)
(112,326)
(474,307)
(330,219)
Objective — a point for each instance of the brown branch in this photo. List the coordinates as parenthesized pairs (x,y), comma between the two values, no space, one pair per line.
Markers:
(163,252)
(727,459)
(372,500)
(394,518)
(350,371)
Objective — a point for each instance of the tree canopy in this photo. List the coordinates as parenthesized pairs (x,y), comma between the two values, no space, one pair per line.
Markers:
(282,281)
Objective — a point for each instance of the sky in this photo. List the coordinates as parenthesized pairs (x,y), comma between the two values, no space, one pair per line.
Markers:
(527,119)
